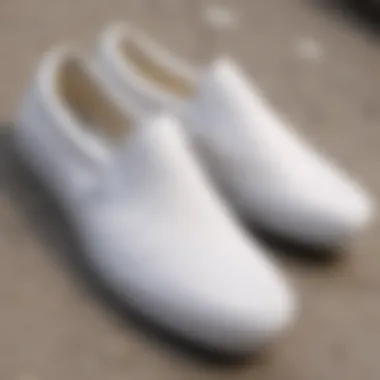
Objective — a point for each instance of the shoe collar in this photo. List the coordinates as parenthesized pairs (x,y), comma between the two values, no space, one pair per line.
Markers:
(112,42)
(91,146)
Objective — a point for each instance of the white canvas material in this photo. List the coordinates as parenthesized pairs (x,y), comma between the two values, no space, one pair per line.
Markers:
(151,225)
(263,167)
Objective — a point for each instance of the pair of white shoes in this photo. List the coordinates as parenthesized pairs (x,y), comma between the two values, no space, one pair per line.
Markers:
(133,179)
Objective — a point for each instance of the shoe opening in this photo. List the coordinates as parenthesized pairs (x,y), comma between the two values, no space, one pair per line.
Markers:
(155,71)
(85,97)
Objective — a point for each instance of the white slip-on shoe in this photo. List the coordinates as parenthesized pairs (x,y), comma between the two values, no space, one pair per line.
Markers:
(151,225)
(264,169)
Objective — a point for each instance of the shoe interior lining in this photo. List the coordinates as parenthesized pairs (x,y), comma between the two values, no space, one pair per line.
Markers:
(85,97)
(155,71)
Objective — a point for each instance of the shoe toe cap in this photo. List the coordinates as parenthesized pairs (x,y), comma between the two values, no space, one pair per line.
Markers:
(324,216)
(339,215)
(252,318)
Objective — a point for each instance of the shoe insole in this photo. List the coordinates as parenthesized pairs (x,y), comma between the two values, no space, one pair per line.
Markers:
(155,71)
(89,102)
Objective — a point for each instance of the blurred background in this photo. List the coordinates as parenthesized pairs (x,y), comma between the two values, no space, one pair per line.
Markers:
(319,64)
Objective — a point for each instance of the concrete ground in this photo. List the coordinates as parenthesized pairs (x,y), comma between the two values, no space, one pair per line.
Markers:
(319,69)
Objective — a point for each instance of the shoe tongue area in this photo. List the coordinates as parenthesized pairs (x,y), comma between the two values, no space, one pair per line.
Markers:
(224,86)
(223,72)
(224,79)
(228,106)
(157,143)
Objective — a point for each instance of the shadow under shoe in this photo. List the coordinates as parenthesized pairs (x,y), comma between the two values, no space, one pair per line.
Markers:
(364,14)
(304,254)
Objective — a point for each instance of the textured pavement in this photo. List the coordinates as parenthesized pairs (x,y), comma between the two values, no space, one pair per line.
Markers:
(319,69)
